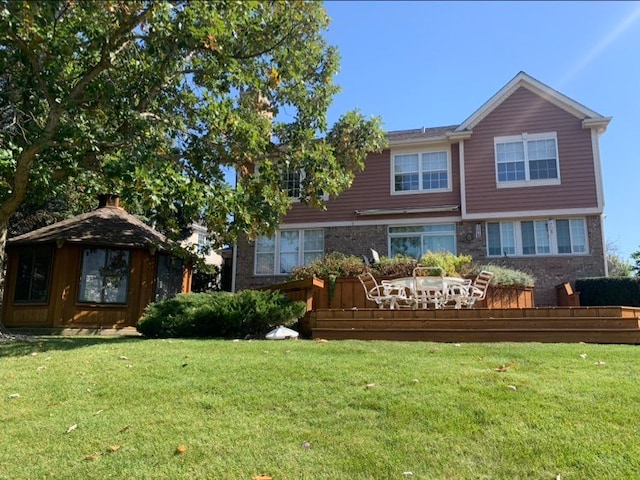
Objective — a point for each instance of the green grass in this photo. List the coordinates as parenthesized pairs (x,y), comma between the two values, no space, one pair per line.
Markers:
(369,410)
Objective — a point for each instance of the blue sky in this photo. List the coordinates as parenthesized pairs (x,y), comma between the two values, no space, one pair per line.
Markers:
(428,64)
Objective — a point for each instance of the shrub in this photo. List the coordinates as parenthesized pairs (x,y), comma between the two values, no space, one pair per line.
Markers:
(451,264)
(219,314)
(398,266)
(503,276)
(334,265)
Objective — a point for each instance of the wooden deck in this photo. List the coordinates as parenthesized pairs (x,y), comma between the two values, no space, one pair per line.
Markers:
(554,324)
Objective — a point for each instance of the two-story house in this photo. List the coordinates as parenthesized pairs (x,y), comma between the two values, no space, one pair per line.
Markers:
(518,183)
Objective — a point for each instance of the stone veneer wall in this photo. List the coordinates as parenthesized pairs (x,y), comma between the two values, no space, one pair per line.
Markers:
(358,240)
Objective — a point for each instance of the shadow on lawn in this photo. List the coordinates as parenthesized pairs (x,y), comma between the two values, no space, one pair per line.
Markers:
(27,345)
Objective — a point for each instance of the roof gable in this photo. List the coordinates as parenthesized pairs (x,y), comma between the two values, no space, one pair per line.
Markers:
(589,117)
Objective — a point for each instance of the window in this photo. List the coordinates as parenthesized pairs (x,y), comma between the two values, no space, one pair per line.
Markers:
(417,240)
(34,270)
(287,249)
(292,182)
(169,273)
(421,172)
(527,159)
(203,243)
(104,276)
(537,237)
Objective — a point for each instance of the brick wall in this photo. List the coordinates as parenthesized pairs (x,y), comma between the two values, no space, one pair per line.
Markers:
(548,271)
(358,240)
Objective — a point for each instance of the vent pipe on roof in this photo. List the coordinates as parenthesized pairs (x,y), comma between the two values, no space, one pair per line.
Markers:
(109,200)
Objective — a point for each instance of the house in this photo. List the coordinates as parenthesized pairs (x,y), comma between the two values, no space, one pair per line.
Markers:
(199,243)
(518,183)
(98,270)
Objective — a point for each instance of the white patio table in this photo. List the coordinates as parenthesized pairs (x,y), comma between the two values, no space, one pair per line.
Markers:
(451,289)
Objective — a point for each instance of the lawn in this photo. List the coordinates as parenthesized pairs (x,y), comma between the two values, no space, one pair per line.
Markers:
(129,408)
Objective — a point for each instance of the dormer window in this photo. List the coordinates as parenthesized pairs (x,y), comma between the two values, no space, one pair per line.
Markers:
(527,160)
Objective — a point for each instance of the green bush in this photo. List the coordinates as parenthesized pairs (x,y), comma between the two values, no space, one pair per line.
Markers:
(219,314)
(452,265)
(607,291)
(503,276)
(334,265)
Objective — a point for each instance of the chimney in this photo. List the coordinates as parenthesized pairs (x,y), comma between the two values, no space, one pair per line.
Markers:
(109,200)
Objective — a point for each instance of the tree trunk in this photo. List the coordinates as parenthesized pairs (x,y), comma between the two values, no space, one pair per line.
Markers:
(3,242)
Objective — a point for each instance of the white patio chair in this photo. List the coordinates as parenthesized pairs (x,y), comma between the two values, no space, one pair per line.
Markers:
(382,295)
(457,293)
(429,287)
(478,289)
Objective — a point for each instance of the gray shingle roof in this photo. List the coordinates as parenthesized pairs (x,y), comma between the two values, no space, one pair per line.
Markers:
(419,133)
(111,226)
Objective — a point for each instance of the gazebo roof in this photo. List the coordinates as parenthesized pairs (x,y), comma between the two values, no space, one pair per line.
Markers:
(108,225)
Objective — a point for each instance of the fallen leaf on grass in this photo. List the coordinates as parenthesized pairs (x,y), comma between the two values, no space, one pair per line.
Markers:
(407,474)
(113,448)
(72,428)
(600,362)
(93,456)
(369,385)
(321,340)
(98,412)
(181,449)
(512,387)
(125,428)
(505,367)
(583,355)
(13,396)
(262,477)
(122,357)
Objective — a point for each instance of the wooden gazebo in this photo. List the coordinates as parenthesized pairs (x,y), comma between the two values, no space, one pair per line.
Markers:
(98,270)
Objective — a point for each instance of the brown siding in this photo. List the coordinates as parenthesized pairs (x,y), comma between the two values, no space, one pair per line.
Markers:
(372,189)
(525,112)
(63,309)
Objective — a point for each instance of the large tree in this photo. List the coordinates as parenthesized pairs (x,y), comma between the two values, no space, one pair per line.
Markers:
(157,100)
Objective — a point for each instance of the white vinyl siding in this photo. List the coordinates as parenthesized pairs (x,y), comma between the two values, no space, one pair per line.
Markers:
(537,237)
(278,255)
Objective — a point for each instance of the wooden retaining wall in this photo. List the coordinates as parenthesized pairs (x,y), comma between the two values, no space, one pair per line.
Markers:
(348,293)
(555,324)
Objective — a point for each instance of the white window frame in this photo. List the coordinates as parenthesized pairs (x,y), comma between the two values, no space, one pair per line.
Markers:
(303,254)
(287,185)
(545,236)
(421,234)
(420,171)
(524,138)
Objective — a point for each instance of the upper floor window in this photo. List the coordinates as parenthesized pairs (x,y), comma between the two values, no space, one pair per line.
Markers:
(537,237)
(34,271)
(104,276)
(292,182)
(421,172)
(416,240)
(278,255)
(203,243)
(527,159)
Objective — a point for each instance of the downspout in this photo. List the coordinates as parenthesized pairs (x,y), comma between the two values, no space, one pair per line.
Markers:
(234,262)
